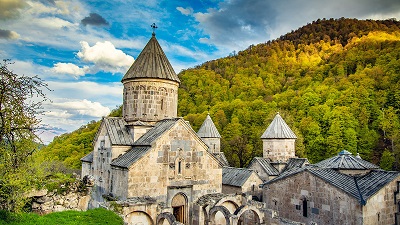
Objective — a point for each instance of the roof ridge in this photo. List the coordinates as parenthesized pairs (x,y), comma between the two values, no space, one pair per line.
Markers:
(362,201)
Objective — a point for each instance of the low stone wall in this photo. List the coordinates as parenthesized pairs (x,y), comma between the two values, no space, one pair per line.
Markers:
(73,197)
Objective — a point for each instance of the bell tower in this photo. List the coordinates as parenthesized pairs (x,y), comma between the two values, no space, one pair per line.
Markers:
(150,86)
(278,141)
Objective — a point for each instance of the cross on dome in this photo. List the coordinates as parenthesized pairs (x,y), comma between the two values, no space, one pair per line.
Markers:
(154,29)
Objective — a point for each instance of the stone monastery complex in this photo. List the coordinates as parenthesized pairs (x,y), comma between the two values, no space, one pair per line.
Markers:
(159,171)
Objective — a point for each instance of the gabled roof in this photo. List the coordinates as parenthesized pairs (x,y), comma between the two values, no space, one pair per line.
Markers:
(266,165)
(118,131)
(154,133)
(235,176)
(130,157)
(151,63)
(88,157)
(208,129)
(143,144)
(278,129)
(361,188)
(221,158)
(345,160)
(374,181)
(295,163)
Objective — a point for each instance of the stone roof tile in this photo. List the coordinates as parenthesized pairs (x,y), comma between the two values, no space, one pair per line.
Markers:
(130,157)
(88,157)
(266,165)
(295,163)
(151,63)
(235,176)
(359,187)
(278,129)
(208,129)
(154,133)
(345,160)
(118,131)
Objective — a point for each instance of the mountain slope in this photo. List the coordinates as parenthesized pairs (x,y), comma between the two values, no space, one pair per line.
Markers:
(341,92)
(335,94)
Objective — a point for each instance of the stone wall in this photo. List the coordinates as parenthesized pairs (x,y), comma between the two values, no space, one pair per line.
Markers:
(150,99)
(178,159)
(325,204)
(259,170)
(380,208)
(279,149)
(74,197)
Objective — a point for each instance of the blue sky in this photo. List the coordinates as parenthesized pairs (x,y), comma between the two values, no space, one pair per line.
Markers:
(83,48)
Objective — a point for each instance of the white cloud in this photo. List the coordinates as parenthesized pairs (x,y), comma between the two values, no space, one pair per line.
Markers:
(185,11)
(61,114)
(82,107)
(105,56)
(108,93)
(70,68)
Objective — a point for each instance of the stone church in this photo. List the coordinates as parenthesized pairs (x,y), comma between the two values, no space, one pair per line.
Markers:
(158,170)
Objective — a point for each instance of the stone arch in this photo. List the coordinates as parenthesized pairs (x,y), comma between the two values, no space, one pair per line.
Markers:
(179,204)
(232,199)
(165,216)
(223,210)
(138,218)
(162,89)
(246,208)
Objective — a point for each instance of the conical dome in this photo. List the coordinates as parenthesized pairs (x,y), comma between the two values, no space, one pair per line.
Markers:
(151,63)
(150,87)
(278,129)
(208,129)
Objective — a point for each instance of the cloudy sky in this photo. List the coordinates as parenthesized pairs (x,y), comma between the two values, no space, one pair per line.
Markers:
(82,48)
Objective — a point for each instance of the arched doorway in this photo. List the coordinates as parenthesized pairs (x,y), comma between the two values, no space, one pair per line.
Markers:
(138,218)
(249,217)
(215,211)
(179,207)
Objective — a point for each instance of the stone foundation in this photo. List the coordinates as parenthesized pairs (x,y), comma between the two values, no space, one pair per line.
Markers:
(73,198)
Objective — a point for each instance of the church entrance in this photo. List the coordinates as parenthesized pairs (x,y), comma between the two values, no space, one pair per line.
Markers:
(179,213)
(179,206)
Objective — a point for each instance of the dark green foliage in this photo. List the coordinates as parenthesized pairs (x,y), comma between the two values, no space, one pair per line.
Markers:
(333,93)
(69,148)
(93,216)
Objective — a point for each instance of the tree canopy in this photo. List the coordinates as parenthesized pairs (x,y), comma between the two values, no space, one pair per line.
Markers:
(20,102)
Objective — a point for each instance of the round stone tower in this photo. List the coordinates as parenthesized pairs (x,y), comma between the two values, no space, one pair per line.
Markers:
(150,86)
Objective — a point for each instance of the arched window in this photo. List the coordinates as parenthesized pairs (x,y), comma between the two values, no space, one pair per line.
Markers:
(179,167)
(305,207)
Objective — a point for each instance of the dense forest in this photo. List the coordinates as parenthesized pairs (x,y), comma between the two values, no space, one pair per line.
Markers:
(335,82)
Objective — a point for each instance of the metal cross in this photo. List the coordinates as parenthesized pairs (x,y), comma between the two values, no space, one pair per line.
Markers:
(154,28)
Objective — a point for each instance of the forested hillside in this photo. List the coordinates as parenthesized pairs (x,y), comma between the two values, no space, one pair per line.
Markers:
(335,82)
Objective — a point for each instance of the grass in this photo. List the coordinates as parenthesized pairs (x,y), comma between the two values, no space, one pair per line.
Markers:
(93,216)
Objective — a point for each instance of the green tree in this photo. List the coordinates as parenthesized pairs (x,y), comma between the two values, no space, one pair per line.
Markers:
(21,99)
(387,160)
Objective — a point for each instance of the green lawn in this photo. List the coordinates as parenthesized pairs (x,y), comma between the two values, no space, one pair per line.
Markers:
(93,216)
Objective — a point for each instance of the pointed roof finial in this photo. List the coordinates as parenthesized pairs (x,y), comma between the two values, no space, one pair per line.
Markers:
(154,29)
